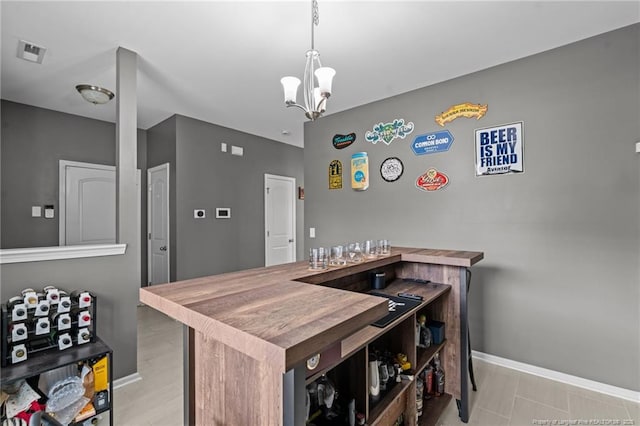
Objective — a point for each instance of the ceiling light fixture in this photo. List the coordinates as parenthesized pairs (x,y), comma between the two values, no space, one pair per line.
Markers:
(94,94)
(315,97)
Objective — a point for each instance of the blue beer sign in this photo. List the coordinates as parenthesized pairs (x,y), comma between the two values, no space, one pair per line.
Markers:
(432,142)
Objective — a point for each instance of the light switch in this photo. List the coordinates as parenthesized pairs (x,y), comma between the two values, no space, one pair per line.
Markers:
(223,147)
(237,150)
(312,232)
(36,211)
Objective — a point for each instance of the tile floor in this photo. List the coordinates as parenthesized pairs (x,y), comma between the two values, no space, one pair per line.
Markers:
(504,397)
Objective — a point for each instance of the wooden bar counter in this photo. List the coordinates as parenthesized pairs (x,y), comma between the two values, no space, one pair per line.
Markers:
(251,332)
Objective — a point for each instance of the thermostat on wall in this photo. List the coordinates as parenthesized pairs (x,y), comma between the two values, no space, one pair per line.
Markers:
(223,212)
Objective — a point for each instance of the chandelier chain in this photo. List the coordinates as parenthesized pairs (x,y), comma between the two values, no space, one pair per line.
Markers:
(315,18)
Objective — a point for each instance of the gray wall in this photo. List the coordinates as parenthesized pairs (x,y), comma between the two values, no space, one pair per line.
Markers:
(208,178)
(33,141)
(559,284)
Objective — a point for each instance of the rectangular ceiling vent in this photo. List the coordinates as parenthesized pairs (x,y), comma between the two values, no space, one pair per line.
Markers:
(30,52)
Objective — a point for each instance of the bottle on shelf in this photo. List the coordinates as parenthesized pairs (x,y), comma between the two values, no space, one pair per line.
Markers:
(439,376)
(419,395)
(428,381)
(425,337)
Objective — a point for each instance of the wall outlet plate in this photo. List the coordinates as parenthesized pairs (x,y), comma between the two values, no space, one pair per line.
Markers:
(199,214)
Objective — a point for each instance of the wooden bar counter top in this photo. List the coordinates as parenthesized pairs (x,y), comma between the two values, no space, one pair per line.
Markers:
(249,328)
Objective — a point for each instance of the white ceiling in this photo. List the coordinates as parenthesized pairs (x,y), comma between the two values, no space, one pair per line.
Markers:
(221,61)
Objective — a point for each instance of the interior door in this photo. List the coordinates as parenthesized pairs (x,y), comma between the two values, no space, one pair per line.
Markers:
(87,203)
(280,219)
(158,224)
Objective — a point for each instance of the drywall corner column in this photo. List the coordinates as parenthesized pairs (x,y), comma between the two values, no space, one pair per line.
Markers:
(128,212)
(126,144)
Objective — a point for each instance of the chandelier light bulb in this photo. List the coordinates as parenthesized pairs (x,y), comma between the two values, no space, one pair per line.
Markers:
(325,78)
(290,87)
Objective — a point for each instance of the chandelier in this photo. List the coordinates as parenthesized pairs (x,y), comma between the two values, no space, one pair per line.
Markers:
(315,97)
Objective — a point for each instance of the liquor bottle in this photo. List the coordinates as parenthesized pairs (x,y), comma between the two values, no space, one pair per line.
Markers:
(439,374)
(429,382)
(425,333)
(419,395)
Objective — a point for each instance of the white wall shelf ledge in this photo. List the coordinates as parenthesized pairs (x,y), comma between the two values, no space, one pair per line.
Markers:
(37,254)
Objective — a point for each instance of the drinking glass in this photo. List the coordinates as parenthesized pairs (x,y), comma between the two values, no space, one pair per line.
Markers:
(317,258)
(369,249)
(383,248)
(337,256)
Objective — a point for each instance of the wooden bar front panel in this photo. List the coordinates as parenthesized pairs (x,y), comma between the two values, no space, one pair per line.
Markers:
(232,388)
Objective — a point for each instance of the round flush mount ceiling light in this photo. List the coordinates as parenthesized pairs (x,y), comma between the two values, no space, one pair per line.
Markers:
(94,94)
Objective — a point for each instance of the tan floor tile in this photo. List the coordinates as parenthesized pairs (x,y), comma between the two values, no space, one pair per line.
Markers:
(633,408)
(483,417)
(497,392)
(596,395)
(544,391)
(526,412)
(588,409)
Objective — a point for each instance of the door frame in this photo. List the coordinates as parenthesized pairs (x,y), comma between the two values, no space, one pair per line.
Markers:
(268,176)
(62,193)
(149,213)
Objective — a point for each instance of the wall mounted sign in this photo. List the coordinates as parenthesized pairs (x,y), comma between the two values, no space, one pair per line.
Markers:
(432,142)
(335,175)
(391,169)
(499,149)
(387,132)
(343,141)
(360,171)
(466,109)
(432,180)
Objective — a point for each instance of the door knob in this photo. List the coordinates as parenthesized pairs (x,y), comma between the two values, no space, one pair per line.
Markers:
(291,240)
(163,248)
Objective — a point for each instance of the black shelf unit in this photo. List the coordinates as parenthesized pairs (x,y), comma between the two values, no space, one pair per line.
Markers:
(51,360)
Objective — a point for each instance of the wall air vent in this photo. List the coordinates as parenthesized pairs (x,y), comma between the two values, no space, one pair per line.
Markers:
(31,52)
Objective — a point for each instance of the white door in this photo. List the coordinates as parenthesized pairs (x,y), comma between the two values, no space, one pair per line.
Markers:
(158,224)
(279,219)
(87,203)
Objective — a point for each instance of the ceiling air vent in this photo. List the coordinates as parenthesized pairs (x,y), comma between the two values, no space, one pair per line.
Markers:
(30,52)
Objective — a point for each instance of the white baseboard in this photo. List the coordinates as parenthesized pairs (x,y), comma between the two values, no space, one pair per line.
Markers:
(126,380)
(559,377)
